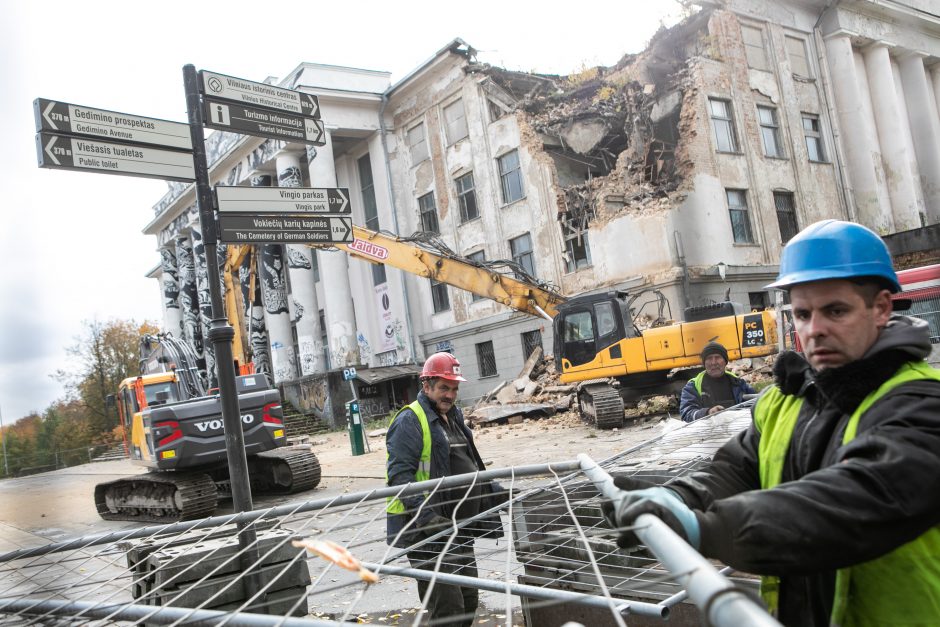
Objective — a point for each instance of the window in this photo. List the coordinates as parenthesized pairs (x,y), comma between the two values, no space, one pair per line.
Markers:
(770,131)
(606,322)
(530,341)
(370,210)
(521,250)
(467,198)
(740,220)
(455,122)
(786,215)
(510,176)
(477,257)
(487,359)
(814,143)
(579,327)
(428,211)
(417,142)
(497,110)
(753,37)
(439,298)
(723,125)
(796,51)
(577,251)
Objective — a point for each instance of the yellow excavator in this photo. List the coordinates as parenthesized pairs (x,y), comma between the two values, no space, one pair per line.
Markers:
(597,342)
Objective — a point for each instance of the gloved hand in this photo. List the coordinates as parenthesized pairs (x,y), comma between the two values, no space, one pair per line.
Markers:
(658,501)
(435,524)
(792,373)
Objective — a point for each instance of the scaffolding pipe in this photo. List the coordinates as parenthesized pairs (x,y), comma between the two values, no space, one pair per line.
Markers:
(623,606)
(724,604)
(162,615)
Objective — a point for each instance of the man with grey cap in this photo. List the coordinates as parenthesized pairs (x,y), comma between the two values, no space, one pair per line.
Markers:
(714,388)
(830,494)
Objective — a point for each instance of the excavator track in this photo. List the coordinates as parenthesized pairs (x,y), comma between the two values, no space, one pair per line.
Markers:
(602,405)
(284,471)
(157,497)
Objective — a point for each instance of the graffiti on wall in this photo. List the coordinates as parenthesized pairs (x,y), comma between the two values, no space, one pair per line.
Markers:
(272,280)
(192,329)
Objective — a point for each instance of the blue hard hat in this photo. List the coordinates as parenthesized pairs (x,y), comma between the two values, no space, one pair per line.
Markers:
(833,249)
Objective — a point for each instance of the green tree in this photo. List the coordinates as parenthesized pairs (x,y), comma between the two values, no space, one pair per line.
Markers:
(103,355)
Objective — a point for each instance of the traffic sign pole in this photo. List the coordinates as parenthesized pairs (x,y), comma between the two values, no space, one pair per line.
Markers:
(221,334)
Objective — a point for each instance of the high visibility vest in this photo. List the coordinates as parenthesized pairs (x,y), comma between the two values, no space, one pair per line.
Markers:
(900,588)
(697,380)
(393,505)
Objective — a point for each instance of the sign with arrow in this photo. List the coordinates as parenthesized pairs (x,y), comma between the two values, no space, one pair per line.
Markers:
(240,228)
(258,94)
(283,199)
(70,119)
(78,153)
(232,116)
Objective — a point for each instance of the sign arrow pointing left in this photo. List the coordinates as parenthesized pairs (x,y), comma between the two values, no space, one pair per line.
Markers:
(49,151)
(45,114)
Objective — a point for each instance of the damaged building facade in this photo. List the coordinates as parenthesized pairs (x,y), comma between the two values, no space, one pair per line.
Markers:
(684,169)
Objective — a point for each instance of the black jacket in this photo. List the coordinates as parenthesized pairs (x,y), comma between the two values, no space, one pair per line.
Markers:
(837,505)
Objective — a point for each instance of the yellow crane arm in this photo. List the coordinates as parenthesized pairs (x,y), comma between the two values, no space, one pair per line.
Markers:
(419,259)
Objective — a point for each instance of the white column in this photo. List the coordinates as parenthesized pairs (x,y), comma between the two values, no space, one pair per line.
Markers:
(859,138)
(888,120)
(302,284)
(272,279)
(925,129)
(935,75)
(169,281)
(334,272)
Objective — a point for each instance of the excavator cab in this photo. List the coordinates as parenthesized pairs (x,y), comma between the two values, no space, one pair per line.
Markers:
(586,325)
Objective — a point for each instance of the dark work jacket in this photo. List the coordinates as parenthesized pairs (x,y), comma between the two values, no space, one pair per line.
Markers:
(837,505)
(404,442)
(690,403)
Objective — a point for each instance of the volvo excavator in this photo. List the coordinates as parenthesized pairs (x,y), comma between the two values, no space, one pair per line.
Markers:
(597,341)
(173,428)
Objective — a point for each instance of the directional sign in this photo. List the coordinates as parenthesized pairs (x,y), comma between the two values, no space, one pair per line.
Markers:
(77,153)
(232,116)
(240,228)
(283,199)
(259,94)
(69,119)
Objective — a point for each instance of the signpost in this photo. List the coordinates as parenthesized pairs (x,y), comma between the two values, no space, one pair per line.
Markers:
(231,116)
(258,94)
(283,199)
(70,119)
(66,152)
(242,228)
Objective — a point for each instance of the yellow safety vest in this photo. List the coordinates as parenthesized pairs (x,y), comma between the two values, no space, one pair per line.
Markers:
(394,505)
(900,588)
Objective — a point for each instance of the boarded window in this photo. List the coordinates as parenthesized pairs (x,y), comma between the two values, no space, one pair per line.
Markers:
(740,217)
(796,52)
(418,144)
(753,37)
(455,122)
(486,357)
(723,125)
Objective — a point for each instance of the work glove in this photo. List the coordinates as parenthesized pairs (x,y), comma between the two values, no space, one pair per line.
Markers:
(792,373)
(435,524)
(658,501)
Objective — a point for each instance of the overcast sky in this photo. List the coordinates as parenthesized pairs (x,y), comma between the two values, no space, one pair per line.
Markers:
(71,247)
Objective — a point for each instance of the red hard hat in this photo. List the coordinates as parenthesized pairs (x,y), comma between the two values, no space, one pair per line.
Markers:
(443,366)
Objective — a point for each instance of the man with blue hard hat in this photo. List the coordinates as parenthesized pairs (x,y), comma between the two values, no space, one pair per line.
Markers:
(832,494)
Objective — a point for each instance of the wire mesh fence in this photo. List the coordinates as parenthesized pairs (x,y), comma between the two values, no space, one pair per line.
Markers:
(327,561)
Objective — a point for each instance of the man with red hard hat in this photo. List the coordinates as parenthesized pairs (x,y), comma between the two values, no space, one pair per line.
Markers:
(831,493)
(428,439)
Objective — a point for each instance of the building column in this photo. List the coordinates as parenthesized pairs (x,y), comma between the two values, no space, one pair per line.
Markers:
(303,286)
(189,298)
(859,137)
(205,303)
(273,282)
(888,121)
(334,272)
(926,127)
(169,281)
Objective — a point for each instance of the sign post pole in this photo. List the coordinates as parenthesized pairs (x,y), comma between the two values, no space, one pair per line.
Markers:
(221,333)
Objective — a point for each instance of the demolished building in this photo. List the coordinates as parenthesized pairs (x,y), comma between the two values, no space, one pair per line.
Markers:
(681,169)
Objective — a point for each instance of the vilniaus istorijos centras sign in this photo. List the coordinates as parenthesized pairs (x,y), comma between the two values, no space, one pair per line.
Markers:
(258,94)
(70,119)
(240,228)
(283,199)
(77,153)
(234,116)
